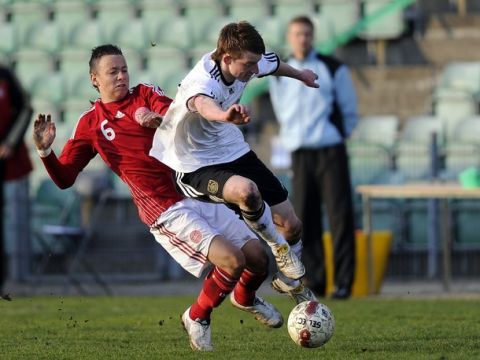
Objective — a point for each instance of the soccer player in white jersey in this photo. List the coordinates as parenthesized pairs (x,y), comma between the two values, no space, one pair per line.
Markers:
(196,234)
(200,140)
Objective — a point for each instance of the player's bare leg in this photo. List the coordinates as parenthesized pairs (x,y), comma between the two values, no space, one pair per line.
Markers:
(229,264)
(244,295)
(257,215)
(291,227)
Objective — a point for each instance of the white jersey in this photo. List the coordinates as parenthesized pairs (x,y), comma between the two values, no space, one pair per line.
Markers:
(185,141)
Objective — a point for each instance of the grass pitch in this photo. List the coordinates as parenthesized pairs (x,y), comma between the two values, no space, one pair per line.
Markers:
(149,328)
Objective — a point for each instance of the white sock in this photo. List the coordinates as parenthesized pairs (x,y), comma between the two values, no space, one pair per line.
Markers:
(297,248)
(265,228)
(289,282)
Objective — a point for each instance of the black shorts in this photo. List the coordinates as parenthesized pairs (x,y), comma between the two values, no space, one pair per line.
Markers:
(207,183)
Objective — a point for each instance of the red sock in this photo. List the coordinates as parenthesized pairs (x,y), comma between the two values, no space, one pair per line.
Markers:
(216,286)
(247,286)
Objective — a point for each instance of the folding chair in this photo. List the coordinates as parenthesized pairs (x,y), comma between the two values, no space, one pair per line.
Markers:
(59,230)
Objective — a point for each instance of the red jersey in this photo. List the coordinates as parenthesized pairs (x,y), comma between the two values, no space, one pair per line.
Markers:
(14,118)
(112,131)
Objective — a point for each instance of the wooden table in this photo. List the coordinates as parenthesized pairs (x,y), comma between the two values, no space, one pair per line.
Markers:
(441,191)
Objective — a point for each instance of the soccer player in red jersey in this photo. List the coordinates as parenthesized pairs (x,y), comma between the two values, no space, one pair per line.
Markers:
(119,127)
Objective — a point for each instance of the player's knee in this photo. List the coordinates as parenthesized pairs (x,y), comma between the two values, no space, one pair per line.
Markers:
(234,263)
(257,258)
(292,230)
(250,196)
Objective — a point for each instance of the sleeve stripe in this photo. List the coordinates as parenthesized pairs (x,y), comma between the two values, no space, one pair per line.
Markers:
(215,73)
(155,89)
(277,60)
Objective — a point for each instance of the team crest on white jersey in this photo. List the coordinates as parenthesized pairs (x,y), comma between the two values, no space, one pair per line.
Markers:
(212,186)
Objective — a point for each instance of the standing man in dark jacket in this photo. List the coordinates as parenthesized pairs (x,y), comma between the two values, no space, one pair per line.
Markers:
(314,124)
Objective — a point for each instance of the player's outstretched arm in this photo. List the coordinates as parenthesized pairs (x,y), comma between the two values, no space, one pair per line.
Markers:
(44,132)
(307,76)
(209,110)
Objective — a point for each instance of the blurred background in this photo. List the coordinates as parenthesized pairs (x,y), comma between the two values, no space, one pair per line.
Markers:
(416,68)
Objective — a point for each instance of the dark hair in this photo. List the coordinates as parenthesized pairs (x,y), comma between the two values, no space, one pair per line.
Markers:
(305,20)
(236,38)
(100,51)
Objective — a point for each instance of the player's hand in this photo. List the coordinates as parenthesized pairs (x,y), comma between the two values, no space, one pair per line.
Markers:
(43,131)
(150,119)
(237,114)
(309,77)
(5,151)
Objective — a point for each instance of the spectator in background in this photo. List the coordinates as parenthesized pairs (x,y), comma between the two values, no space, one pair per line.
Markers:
(314,124)
(15,165)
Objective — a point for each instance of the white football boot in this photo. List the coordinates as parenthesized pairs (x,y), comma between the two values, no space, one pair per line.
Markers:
(262,310)
(297,291)
(287,262)
(198,331)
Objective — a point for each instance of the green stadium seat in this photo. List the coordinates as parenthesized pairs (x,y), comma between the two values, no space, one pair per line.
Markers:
(413,162)
(324,29)
(44,36)
(369,163)
(463,147)
(287,9)
(86,36)
(144,77)
(342,14)
(49,87)
(170,84)
(452,106)
(248,9)
(27,13)
(82,88)
(390,26)
(29,65)
(377,129)
(9,43)
(175,32)
(207,38)
(465,215)
(74,63)
(165,63)
(418,129)
(462,76)
(412,152)
(467,131)
(41,106)
(69,13)
(155,12)
(113,14)
(4,59)
(272,29)
(73,108)
(460,156)
(200,12)
(133,35)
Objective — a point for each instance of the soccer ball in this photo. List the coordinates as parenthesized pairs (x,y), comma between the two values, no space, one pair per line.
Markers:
(311,324)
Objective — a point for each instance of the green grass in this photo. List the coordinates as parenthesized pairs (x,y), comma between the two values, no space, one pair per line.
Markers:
(149,328)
